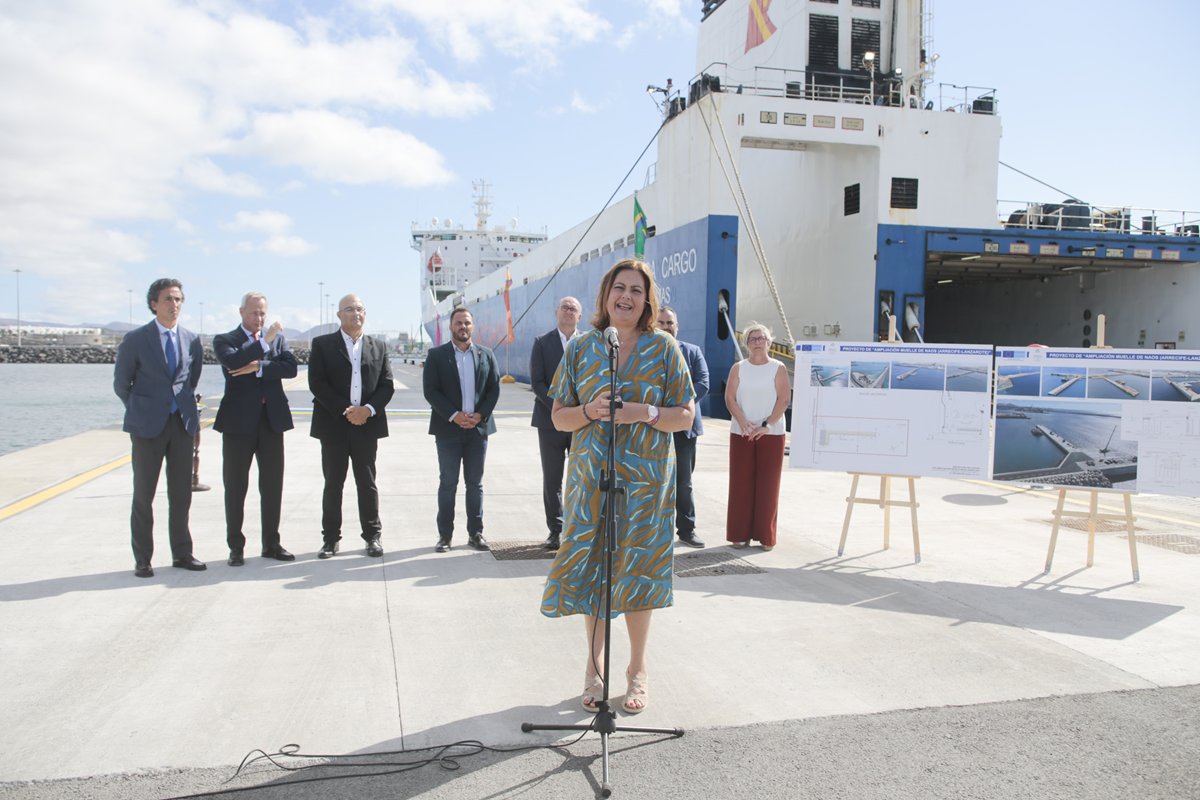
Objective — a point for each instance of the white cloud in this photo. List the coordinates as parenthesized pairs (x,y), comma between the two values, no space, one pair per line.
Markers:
(530,30)
(114,112)
(262,221)
(662,17)
(278,243)
(578,104)
(338,148)
(203,174)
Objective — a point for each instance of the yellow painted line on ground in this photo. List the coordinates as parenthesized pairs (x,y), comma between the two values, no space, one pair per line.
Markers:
(1099,506)
(69,484)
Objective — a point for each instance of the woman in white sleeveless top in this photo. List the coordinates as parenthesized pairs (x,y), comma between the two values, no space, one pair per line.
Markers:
(758,393)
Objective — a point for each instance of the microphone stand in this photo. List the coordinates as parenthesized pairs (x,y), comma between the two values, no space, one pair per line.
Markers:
(604,722)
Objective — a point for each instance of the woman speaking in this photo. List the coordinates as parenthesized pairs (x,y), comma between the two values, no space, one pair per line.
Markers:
(658,399)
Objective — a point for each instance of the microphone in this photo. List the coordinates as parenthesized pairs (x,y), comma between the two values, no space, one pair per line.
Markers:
(611,339)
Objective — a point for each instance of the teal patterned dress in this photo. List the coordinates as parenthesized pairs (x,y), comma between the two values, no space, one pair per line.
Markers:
(655,372)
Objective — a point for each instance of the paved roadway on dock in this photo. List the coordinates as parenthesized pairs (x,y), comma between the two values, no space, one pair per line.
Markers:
(968,675)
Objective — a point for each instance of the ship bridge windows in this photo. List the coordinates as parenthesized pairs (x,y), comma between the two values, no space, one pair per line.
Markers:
(864,38)
(865,4)
(822,42)
(904,192)
(851,200)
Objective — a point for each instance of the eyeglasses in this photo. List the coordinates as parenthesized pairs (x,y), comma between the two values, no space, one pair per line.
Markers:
(756,339)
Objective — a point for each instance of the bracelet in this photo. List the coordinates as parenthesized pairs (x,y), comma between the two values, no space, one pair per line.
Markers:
(583,408)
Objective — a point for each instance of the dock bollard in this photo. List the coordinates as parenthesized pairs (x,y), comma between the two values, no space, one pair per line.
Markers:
(197,486)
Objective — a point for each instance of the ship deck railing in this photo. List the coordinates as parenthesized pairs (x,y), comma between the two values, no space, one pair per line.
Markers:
(1073,215)
(858,86)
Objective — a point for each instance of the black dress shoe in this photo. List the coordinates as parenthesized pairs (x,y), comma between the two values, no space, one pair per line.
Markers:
(236,559)
(279,554)
(478,542)
(328,549)
(551,544)
(188,562)
(142,569)
(374,548)
(443,545)
(690,540)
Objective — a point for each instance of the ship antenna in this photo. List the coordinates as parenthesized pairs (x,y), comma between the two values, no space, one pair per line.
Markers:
(483,206)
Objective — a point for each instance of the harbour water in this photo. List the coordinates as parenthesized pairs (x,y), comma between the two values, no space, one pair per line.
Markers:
(1023,381)
(1071,380)
(960,379)
(1162,390)
(1099,387)
(906,376)
(1018,449)
(47,402)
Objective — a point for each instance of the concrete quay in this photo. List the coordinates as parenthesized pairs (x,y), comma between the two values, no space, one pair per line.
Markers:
(796,673)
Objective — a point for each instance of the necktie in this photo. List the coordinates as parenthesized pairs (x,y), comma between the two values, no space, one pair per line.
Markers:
(264,399)
(172,365)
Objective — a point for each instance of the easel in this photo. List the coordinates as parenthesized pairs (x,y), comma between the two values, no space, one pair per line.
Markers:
(884,500)
(1092,515)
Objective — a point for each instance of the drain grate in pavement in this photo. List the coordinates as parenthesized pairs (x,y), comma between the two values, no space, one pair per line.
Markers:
(519,551)
(695,565)
(1189,545)
(1102,525)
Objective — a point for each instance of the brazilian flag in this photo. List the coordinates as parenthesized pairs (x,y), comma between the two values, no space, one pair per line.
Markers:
(639,230)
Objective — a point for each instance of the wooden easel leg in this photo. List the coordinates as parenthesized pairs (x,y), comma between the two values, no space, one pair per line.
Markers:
(1092,510)
(912,498)
(1062,497)
(885,502)
(849,511)
(1132,539)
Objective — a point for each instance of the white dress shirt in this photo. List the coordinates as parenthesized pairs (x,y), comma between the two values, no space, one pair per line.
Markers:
(355,350)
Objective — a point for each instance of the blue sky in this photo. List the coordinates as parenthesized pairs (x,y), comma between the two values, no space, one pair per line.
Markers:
(272,145)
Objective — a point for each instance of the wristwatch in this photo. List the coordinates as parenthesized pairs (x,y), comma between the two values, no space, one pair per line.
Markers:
(652,415)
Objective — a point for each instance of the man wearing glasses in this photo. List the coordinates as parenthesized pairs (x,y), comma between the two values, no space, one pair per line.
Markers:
(548,350)
(350,378)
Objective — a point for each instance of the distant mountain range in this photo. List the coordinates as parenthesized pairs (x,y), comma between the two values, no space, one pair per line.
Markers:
(121,327)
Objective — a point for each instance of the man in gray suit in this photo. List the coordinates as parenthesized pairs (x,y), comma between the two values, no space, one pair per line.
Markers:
(157,371)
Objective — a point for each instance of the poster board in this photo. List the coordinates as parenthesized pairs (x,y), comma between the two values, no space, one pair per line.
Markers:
(1127,420)
(920,410)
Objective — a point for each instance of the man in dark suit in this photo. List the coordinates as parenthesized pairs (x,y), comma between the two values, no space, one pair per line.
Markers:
(462,384)
(253,415)
(685,441)
(156,374)
(547,351)
(350,378)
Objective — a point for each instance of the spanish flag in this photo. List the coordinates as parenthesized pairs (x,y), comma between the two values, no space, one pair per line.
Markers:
(507,308)
(759,26)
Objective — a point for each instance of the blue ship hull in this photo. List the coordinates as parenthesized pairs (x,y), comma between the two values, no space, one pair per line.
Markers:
(694,266)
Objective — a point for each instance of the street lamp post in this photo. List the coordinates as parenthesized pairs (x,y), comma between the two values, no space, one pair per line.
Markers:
(329,318)
(320,308)
(18,306)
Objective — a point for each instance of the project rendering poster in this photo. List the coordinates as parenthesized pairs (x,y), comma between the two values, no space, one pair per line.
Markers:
(1099,419)
(920,410)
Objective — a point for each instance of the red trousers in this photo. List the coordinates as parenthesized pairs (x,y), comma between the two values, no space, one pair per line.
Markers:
(755,468)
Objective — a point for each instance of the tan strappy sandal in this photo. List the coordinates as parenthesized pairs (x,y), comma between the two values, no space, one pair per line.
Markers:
(593,691)
(638,692)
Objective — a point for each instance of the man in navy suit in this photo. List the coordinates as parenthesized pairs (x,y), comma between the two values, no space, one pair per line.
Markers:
(350,378)
(462,384)
(554,444)
(253,416)
(685,441)
(156,374)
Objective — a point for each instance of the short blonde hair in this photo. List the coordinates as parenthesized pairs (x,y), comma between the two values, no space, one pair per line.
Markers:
(757,326)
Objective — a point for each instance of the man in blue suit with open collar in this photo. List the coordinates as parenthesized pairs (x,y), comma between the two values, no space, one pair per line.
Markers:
(462,384)
(156,375)
(252,419)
